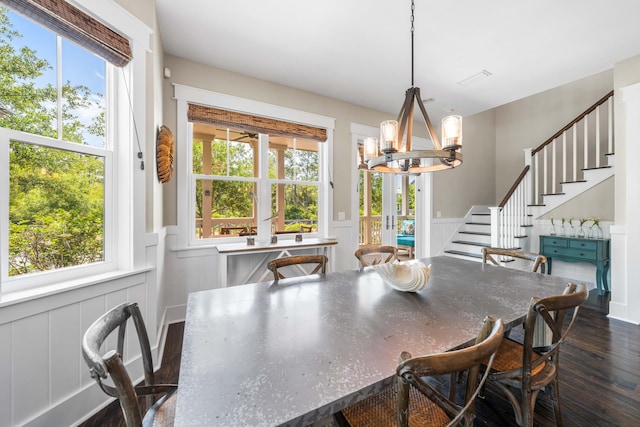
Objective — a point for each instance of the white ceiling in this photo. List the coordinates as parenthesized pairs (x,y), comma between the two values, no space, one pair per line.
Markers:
(359,51)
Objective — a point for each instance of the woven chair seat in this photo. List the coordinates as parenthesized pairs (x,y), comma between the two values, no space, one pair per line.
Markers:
(509,357)
(163,412)
(380,410)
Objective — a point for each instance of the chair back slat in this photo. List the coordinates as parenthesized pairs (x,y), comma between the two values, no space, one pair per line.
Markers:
(276,265)
(536,259)
(376,254)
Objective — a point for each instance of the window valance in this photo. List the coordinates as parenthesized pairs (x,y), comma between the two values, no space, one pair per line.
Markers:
(73,24)
(250,123)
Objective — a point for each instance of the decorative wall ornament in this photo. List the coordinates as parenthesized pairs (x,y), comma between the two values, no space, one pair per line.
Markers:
(165,151)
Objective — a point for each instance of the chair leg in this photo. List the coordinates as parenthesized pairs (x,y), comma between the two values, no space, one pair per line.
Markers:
(555,399)
(528,407)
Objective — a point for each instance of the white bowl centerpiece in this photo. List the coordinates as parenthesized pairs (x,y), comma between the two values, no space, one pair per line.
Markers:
(406,277)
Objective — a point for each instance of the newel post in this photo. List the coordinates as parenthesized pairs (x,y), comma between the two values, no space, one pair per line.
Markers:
(528,161)
(495,226)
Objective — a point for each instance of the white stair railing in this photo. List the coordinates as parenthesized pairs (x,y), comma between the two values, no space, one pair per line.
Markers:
(559,155)
(578,143)
(508,218)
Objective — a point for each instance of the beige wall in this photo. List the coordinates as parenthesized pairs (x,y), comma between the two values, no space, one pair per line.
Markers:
(589,204)
(456,190)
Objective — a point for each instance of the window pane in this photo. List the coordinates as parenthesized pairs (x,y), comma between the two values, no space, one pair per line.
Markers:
(293,159)
(29,88)
(298,203)
(224,208)
(223,152)
(83,100)
(56,209)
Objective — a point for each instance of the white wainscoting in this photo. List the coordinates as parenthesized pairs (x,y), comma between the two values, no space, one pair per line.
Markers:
(43,378)
(441,231)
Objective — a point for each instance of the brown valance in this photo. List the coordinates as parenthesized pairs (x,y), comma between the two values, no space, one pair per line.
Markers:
(73,24)
(246,122)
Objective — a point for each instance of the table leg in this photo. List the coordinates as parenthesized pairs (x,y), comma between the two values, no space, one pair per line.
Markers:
(599,278)
(605,273)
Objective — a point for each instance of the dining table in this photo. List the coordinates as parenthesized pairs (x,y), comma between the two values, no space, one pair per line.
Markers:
(295,351)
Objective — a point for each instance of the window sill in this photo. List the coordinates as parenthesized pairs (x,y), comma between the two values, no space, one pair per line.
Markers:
(20,304)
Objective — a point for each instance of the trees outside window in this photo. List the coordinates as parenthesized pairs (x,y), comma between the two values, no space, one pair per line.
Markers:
(227,183)
(53,136)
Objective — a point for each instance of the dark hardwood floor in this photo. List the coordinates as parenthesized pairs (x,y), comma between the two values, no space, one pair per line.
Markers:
(599,375)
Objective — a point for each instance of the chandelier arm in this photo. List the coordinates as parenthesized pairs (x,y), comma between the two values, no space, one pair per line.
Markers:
(425,116)
(404,114)
(409,137)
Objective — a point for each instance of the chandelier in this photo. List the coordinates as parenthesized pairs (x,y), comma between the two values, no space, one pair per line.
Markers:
(393,153)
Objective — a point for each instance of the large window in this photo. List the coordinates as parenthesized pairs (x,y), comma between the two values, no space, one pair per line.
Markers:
(56,155)
(251,169)
(227,179)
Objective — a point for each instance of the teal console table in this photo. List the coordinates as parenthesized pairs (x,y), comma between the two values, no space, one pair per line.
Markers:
(573,249)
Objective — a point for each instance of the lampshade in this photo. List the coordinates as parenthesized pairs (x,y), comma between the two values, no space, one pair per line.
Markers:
(452,131)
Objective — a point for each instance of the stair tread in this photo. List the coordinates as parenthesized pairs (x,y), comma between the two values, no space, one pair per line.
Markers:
(464,242)
(477,223)
(610,154)
(553,194)
(573,182)
(533,206)
(485,214)
(601,167)
(469,254)
(478,233)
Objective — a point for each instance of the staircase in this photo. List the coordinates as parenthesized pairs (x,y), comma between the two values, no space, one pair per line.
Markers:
(576,158)
(472,235)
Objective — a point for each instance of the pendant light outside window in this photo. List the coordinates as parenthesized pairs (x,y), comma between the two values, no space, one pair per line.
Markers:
(393,152)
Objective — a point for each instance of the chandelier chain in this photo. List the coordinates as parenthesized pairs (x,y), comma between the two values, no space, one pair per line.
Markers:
(413,8)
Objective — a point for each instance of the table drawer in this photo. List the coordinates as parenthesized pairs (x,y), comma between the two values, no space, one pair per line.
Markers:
(581,244)
(551,241)
(570,253)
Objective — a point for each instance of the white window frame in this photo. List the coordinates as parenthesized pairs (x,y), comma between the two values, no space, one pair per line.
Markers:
(186,199)
(124,196)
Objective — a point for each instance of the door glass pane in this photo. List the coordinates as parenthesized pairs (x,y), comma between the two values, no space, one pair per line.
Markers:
(405,187)
(370,207)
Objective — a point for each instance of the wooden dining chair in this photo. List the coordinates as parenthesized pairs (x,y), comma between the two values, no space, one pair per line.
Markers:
(520,366)
(108,363)
(376,254)
(412,401)
(536,259)
(276,265)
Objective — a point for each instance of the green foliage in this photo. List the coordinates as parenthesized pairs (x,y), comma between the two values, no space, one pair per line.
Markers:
(56,197)
(235,199)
